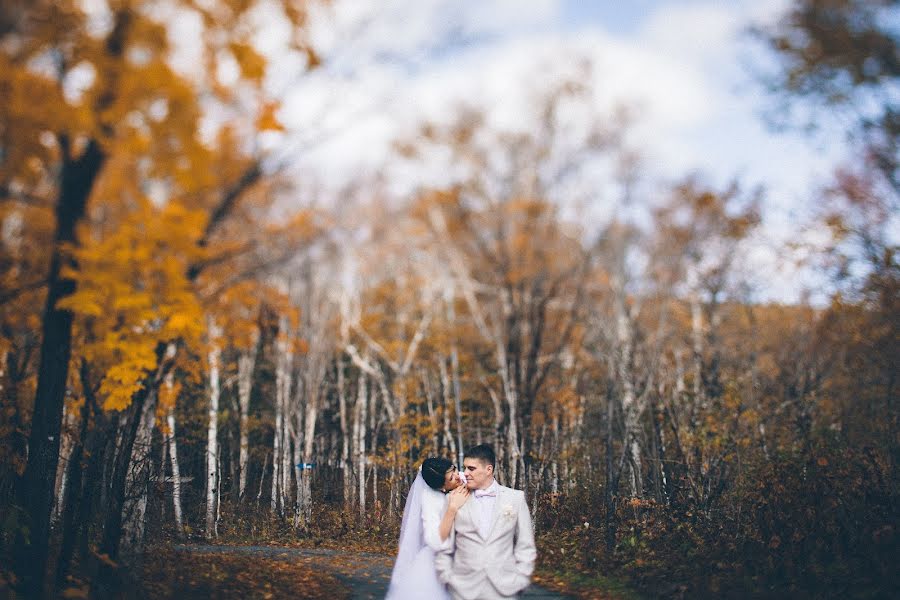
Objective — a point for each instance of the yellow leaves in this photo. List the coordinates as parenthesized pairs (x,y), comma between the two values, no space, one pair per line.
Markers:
(118,394)
(268,119)
(168,396)
(124,378)
(81,304)
(133,292)
(183,324)
(750,417)
(140,237)
(312,58)
(251,63)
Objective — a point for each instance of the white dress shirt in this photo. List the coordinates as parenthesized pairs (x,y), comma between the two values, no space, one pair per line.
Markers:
(484,504)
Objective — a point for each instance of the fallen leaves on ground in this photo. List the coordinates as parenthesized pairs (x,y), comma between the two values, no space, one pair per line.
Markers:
(581,586)
(170,574)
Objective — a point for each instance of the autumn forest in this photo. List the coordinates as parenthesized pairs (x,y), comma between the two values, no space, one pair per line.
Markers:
(200,348)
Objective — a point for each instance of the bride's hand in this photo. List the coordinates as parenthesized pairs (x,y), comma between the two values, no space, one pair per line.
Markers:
(458,497)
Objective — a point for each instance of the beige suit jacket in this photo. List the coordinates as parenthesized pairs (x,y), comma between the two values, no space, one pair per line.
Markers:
(503,559)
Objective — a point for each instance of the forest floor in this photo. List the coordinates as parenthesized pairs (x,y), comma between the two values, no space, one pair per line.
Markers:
(269,572)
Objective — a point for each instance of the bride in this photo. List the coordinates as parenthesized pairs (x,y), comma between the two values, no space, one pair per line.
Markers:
(438,492)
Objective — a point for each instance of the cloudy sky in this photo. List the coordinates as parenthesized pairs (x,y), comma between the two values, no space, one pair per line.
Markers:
(684,65)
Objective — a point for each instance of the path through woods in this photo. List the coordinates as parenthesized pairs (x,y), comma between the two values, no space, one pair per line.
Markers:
(354,575)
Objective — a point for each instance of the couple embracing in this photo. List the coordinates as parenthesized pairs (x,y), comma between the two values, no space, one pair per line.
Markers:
(464,536)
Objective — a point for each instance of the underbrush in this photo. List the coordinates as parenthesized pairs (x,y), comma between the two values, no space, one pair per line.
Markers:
(819,524)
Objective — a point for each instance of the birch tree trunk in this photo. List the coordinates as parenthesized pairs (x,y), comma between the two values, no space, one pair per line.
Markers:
(176,470)
(77,488)
(457,402)
(630,405)
(425,378)
(448,435)
(454,374)
(359,430)
(288,438)
(276,444)
(311,415)
(66,444)
(283,385)
(262,479)
(298,470)
(212,443)
(134,508)
(554,464)
(345,435)
(246,365)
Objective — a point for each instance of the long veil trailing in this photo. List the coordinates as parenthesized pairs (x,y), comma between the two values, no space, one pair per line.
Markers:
(414,575)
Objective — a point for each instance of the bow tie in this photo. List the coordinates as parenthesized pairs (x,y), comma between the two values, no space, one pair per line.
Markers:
(485,494)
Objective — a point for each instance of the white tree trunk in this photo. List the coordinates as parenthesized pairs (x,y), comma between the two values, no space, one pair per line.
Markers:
(66,445)
(554,464)
(262,479)
(218,493)
(246,364)
(310,418)
(212,432)
(276,454)
(496,441)
(631,408)
(448,435)
(359,430)
(345,435)
(276,449)
(454,373)
(457,402)
(176,470)
(287,439)
(510,394)
(298,471)
(425,378)
(283,385)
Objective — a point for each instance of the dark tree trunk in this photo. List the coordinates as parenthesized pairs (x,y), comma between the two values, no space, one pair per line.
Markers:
(112,528)
(37,489)
(99,438)
(105,582)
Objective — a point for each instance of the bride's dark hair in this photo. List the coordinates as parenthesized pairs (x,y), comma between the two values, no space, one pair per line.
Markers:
(433,471)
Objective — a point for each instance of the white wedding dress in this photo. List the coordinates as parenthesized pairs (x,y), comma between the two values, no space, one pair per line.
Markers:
(414,576)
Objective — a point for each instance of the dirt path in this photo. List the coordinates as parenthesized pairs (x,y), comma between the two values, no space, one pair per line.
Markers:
(367,575)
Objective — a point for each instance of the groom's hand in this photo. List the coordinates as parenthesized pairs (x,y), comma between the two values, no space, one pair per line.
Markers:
(458,497)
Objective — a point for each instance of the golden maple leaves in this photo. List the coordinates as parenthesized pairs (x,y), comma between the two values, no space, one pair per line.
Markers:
(133,294)
(70,77)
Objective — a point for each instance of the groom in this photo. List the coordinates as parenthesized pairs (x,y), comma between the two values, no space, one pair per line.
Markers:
(493,552)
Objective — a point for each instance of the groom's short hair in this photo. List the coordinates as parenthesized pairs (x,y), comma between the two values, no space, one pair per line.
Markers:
(482,452)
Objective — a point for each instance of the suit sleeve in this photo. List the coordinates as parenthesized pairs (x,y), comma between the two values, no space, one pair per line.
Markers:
(524,550)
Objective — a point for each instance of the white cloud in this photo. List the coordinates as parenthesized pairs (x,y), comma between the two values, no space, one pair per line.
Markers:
(392,64)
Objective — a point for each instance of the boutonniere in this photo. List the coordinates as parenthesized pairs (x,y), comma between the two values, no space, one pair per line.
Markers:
(508,511)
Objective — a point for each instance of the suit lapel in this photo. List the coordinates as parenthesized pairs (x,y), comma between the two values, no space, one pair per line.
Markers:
(466,511)
(495,513)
